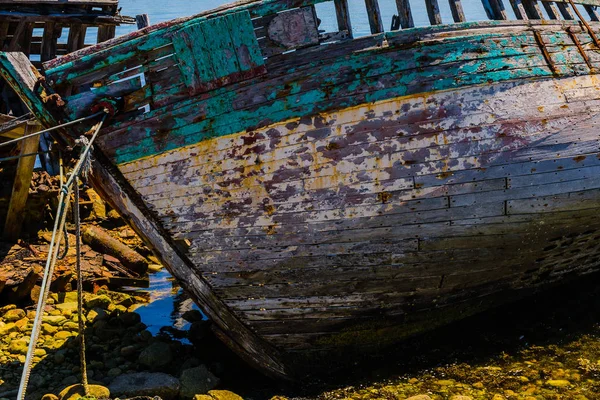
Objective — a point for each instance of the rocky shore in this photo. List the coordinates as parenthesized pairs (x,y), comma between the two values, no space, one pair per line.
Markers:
(122,355)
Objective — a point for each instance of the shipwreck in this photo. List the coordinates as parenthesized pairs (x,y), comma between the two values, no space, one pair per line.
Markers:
(324,196)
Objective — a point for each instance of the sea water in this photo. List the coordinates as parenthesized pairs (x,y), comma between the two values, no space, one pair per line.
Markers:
(164,10)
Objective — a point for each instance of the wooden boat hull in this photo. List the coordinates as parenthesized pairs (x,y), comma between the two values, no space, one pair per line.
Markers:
(337,204)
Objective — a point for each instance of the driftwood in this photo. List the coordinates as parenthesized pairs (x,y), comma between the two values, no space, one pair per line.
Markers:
(99,240)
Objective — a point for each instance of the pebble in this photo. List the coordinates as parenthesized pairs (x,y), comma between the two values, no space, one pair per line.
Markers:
(54,320)
(558,382)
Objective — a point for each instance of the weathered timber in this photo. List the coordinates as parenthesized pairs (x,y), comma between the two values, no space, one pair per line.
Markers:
(142,21)
(101,241)
(343,16)
(405,14)
(20,190)
(316,193)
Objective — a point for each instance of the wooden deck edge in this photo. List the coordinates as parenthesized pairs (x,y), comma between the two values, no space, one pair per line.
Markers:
(109,183)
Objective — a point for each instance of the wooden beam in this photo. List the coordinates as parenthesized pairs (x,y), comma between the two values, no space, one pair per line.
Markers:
(374,16)
(433,11)
(9,128)
(106,33)
(20,190)
(76,37)
(551,10)
(457,11)
(565,11)
(406,18)
(142,21)
(19,73)
(48,51)
(343,16)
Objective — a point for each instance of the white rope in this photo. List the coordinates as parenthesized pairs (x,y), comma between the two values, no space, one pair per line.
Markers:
(61,215)
(52,129)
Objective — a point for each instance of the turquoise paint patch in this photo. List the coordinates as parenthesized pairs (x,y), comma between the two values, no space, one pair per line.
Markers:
(441,66)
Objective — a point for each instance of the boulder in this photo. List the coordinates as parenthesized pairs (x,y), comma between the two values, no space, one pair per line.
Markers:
(14,315)
(101,301)
(198,380)
(145,384)
(74,392)
(156,355)
(192,316)
(419,397)
(130,318)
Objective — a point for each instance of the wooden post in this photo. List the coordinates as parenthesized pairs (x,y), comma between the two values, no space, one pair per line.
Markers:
(343,16)
(458,14)
(20,191)
(433,11)
(105,32)
(406,18)
(374,16)
(142,21)
(49,39)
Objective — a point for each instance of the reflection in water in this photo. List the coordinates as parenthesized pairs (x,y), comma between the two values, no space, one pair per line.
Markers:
(167,303)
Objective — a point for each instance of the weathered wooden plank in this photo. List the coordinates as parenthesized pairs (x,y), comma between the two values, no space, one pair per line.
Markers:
(52,32)
(20,190)
(591,10)
(568,202)
(551,10)
(374,16)
(142,21)
(342,14)
(457,11)
(76,38)
(105,33)
(532,9)
(495,9)
(18,72)
(255,350)
(519,9)
(565,10)
(433,12)
(405,14)
(240,29)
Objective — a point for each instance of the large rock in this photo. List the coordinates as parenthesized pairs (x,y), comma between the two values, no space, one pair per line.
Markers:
(145,384)
(14,315)
(101,301)
(198,380)
(156,355)
(74,392)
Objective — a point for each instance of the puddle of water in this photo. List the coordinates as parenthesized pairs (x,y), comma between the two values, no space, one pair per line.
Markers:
(166,305)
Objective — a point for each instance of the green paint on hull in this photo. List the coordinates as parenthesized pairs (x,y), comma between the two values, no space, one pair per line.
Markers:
(452,64)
